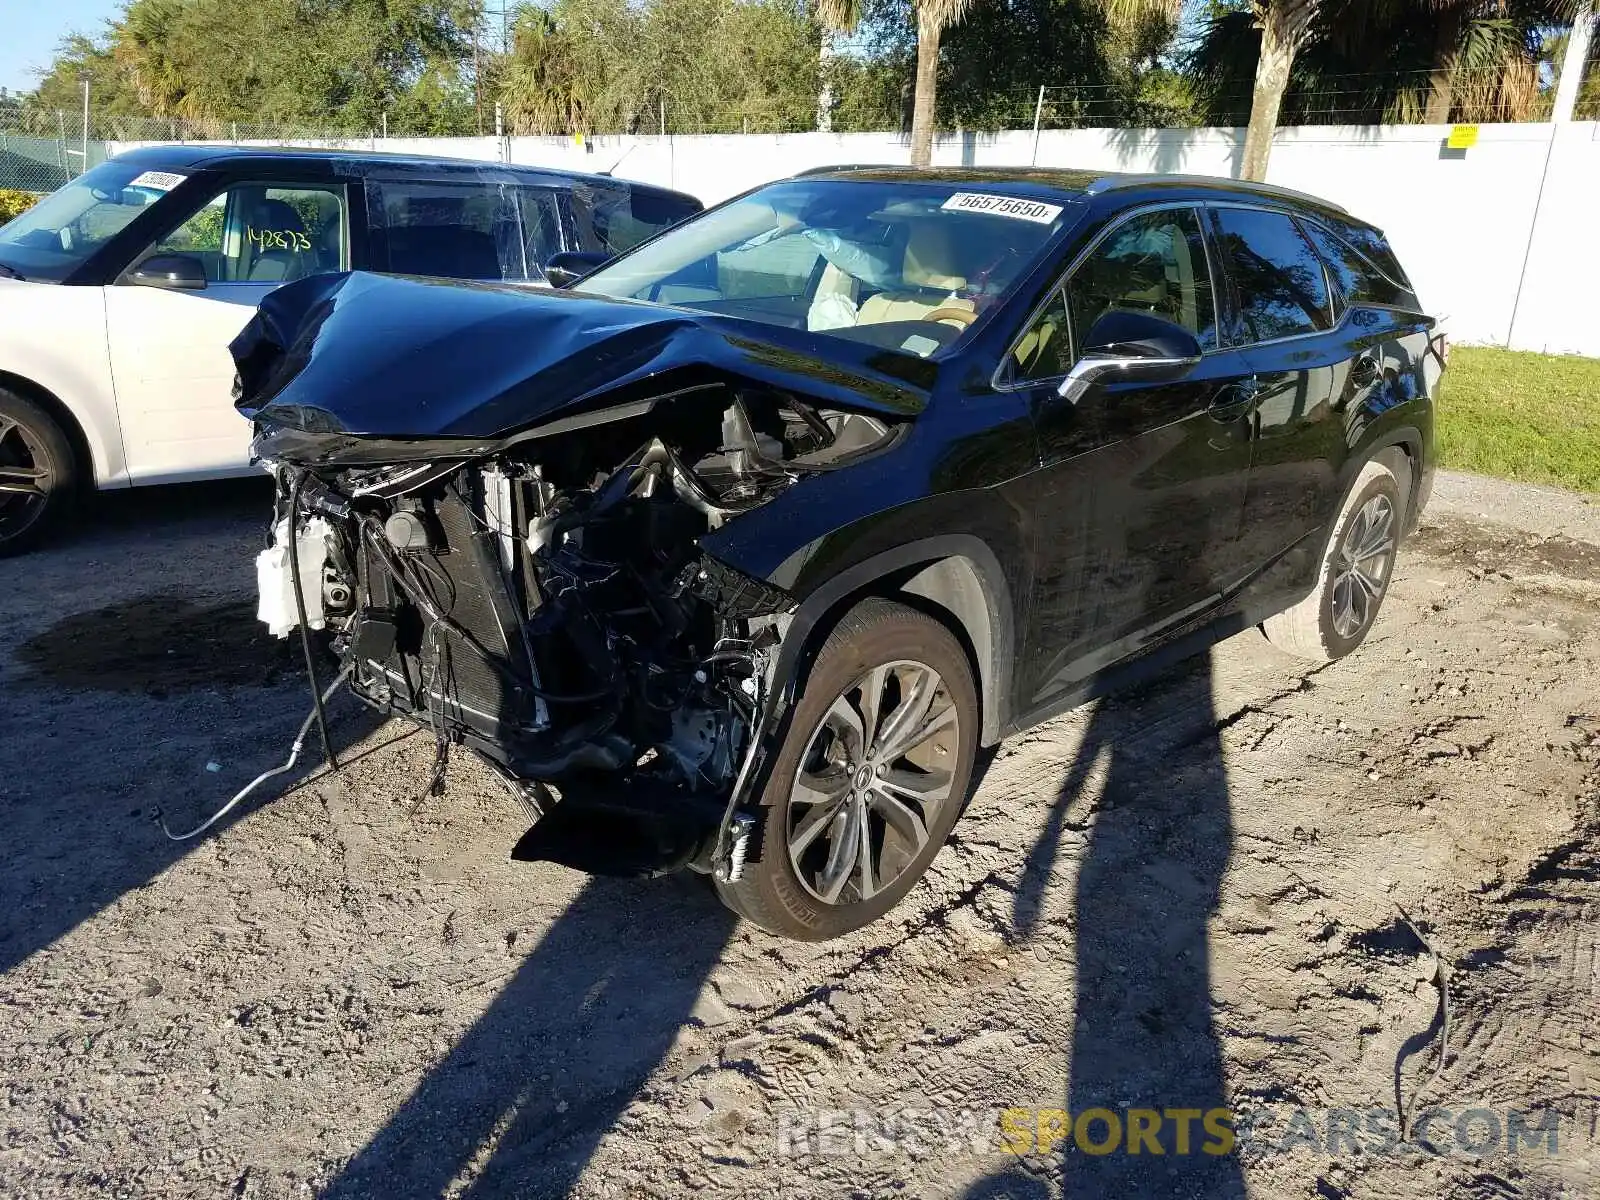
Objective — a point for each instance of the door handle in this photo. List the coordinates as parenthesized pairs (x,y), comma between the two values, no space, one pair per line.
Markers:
(1235,401)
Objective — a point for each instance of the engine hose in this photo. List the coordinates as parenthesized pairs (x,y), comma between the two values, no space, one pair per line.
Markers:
(305,631)
(294,756)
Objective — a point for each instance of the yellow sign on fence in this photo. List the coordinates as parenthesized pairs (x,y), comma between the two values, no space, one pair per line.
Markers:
(1463,137)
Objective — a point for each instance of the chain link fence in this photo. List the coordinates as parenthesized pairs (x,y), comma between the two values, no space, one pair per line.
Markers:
(42,149)
(35,159)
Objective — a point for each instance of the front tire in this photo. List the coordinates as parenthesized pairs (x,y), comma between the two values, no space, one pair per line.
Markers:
(1354,574)
(870,778)
(38,473)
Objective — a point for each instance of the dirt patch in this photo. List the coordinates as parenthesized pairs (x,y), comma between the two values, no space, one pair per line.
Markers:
(1185,895)
(1502,550)
(160,644)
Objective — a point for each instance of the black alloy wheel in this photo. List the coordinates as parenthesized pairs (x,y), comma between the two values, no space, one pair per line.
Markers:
(38,473)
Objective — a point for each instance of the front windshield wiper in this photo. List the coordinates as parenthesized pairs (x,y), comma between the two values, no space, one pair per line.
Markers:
(11,272)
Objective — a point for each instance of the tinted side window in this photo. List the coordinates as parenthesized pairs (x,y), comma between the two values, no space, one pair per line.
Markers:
(1282,288)
(464,230)
(1154,263)
(1044,352)
(615,219)
(648,215)
(1372,244)
(537,236)
(1358,279)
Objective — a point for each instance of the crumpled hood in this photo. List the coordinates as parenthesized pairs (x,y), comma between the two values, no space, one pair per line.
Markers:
(378,356)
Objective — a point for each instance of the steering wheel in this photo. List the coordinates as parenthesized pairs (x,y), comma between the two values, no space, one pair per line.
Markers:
(963,316)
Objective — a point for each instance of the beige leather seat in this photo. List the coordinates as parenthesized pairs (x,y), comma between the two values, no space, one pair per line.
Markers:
(1173,294)
(931,271)
(1038,354)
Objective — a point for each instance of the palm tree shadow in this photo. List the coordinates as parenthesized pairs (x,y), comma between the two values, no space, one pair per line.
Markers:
(1150,874)
(522,1101)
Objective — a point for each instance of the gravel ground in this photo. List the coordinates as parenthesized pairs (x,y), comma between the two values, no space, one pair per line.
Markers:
(1187,897)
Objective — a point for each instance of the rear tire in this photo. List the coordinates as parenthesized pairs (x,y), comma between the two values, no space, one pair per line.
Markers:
(38,473)
(1354,574)
(891,773)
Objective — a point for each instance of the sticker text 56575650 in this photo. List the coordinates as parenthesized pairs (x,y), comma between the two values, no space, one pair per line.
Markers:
(1015,207)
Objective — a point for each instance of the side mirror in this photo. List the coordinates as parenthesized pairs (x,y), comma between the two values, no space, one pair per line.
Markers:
(177,272)
(1131,346)
(568,266)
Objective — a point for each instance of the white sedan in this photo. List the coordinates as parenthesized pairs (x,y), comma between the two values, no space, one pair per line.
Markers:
(120,292)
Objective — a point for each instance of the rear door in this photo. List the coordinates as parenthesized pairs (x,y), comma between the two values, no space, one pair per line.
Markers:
(169,349)
(1303,359)
(1139,499)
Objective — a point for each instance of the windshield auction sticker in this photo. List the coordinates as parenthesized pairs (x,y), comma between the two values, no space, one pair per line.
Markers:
(158,181)
(1003,206)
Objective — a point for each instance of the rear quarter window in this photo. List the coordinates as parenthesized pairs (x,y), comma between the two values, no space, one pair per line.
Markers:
(1373,244)
(1357,276)
(616,219)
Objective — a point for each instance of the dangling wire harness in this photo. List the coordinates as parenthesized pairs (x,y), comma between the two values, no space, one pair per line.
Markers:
(294,757)
(317,716)
(305,630)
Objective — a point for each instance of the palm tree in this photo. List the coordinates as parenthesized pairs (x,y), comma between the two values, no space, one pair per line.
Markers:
(536,87)
(838,18)
(1372,61)
(1482,55)
(142,45)
(933,17)
(1133,14)
(1284,26)
(841,17)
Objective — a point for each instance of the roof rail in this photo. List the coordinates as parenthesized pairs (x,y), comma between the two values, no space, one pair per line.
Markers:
(830,167)
(1111,183)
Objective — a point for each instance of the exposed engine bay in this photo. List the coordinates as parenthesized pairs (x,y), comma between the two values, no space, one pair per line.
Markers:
(547,607)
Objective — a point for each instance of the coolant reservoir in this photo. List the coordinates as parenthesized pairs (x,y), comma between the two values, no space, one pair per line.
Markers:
(275,582)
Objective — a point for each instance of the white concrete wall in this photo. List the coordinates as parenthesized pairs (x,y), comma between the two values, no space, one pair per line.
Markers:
(1500,246)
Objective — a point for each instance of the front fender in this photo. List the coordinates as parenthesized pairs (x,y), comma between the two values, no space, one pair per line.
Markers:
(53,337)
(958,573)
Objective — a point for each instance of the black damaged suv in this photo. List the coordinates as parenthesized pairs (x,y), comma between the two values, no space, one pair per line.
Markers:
(730,556)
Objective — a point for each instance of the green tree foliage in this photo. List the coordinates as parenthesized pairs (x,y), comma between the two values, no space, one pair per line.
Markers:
(1373,61)
(14,203)
(1099,67)
(612,65)
(872,93)
(1588,105)
(767,65)
(61,89)
(996,59)
(871,74)
(708,65)
(329,64)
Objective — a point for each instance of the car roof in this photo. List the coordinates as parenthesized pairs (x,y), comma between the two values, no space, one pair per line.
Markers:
(1069,183)
(1032,181)
(358,162)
